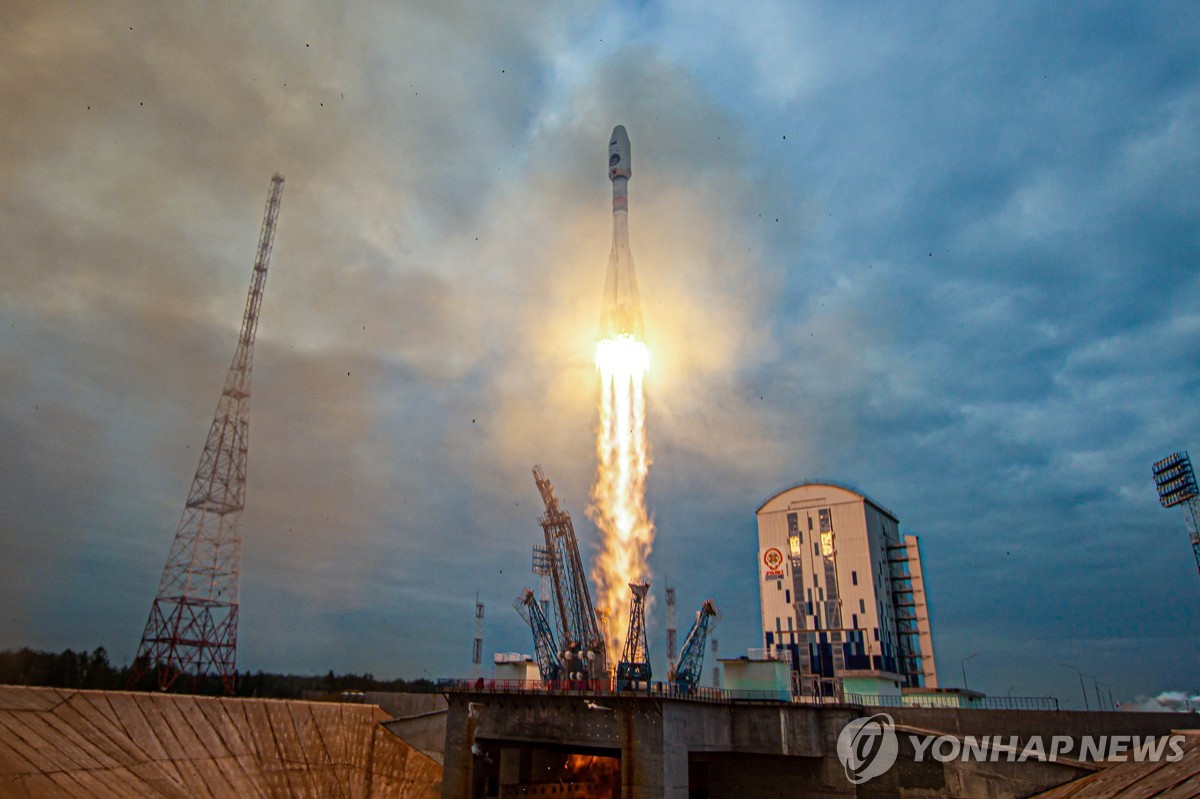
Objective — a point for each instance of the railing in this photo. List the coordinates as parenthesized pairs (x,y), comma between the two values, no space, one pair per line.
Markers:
(604,688)
(666,690)
(663,690)
(953,701)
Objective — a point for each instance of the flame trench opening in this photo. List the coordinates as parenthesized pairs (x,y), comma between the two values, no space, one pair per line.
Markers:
(619,493)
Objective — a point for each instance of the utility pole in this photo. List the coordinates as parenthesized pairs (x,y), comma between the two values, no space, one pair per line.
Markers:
(1082,686)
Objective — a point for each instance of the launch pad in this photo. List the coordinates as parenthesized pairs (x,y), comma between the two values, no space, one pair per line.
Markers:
(502,744)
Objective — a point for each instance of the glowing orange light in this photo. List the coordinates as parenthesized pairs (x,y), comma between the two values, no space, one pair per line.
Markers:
(619,494)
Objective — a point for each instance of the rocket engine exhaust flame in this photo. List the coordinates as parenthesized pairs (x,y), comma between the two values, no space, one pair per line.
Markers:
(623,457)
(619,494)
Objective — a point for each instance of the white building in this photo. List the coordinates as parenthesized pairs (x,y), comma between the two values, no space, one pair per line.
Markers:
(843,593)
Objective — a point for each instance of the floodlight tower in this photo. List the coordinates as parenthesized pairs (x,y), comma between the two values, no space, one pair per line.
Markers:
(1176,484)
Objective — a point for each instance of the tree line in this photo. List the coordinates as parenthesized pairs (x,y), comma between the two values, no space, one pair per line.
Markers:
(82,669)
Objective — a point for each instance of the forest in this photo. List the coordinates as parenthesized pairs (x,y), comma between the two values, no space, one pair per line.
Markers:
(82,669)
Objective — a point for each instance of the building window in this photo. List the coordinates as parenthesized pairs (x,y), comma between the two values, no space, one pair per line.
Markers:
(821,594)
(793,524)
(854,578)
(787,596)
(816,548)
(810,523)
(862,606)
(854,620)
(778,625)
(876,633)
(810,596)
(789,623)
(778,585)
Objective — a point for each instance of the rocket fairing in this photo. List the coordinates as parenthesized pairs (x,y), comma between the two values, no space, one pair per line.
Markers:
(622,310)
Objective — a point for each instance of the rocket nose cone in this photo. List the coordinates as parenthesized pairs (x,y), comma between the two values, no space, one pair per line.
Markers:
(618,154)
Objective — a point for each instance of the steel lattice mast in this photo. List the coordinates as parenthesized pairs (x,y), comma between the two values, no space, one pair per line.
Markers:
(688,671)
(633,670)
(549,666)
(192,629)
(585,652)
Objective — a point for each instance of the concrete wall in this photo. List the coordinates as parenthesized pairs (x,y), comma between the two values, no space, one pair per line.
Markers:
(656,739)
(930,779)
(59,744)
(399,704)
(418,719)
(766,678)
(679,749)
(1023,723)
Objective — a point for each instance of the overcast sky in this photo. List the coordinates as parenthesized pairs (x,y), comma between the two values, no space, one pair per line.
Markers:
(947,254)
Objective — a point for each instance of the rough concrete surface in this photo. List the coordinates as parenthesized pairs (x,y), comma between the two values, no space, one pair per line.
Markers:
(100,744)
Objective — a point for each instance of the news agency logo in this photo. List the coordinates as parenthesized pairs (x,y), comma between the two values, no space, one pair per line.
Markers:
(867,747)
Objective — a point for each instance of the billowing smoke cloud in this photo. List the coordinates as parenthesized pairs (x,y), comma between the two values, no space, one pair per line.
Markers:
(1166,702)
(429,323)
(877,249)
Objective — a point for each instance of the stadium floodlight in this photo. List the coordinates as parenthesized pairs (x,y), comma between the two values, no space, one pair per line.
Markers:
(1175,480)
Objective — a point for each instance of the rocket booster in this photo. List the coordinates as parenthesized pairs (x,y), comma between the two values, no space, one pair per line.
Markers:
(622,310)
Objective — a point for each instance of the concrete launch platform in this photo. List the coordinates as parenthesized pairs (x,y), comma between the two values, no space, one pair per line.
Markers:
(502,745)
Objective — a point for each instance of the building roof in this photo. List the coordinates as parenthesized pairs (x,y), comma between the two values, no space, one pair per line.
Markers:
(119,744)
(831,484)
(1141,780)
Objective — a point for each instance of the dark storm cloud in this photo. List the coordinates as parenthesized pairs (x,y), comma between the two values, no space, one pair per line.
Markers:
(1016,307)
(946,254)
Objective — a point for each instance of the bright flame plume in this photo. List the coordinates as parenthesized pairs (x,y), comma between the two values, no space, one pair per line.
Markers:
(619,494)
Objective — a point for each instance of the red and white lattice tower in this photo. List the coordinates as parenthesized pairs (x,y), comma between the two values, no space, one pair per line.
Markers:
(192,629)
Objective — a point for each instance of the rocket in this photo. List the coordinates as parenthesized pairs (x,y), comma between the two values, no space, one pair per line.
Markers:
(621,313)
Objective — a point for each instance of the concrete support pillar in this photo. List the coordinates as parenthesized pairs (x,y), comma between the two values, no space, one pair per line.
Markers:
(651,768)
(675,772)
(650,776)
(457,777)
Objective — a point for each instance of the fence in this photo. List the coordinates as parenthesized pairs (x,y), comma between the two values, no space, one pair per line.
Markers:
(953,701)
(607,688)
(666,690)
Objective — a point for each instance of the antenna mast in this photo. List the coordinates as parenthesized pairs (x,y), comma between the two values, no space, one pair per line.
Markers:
(192,627)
